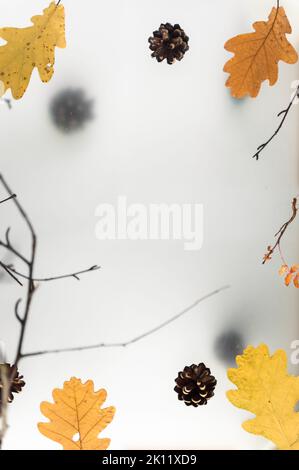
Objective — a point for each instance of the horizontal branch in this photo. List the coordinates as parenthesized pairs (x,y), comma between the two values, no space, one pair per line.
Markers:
(133,340)
(47,279)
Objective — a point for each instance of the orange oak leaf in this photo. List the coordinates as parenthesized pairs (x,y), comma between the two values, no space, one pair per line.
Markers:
(257,55)
(76,417)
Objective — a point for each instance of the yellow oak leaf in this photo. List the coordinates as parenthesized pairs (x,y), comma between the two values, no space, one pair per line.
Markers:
(76,417)
(257,55)
(31,47)
(267,390)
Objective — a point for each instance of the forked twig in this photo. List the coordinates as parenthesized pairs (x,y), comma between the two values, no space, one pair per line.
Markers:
(284,113)
(279,235)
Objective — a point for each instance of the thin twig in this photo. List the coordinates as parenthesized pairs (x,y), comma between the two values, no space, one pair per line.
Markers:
(8,270)
(55,278)
(281,232)
(8,198)
(283,113)
(131,341)
(30,286)
(10,248)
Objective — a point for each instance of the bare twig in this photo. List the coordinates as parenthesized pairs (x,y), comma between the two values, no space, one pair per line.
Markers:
(8,270)
(133,340)
(7,244)
(284,113)
(30,286)
(8,198)
(76,275)
(281,232)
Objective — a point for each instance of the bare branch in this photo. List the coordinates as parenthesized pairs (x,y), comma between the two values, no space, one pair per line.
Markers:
(133,340)
(55,278)
(6,269)
(281,232)
(8,246)
(30,286)
(284,115)
(17,310)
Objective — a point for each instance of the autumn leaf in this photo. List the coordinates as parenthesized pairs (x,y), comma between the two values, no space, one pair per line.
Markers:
(76,417)
(257,55)
(31,47)
(267,390)
(291,274)
(283,269)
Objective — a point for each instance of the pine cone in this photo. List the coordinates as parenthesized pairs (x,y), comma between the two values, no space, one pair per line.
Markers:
(15,381)
(169,42)
(195,385)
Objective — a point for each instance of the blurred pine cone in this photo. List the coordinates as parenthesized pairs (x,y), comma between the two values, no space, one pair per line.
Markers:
(195,385)
(169,42)
(15,381)
(70,110)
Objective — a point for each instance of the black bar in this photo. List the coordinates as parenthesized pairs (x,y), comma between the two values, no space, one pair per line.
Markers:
(141,458)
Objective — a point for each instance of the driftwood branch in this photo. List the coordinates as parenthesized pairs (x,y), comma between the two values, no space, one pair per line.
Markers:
(132,340)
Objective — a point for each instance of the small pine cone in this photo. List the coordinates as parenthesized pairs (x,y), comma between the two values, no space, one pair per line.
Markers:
(195,385)
(169,42)
(15,381)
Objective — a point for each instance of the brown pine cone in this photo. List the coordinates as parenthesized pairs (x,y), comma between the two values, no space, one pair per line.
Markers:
(195,385)
(14,380)
(169,42)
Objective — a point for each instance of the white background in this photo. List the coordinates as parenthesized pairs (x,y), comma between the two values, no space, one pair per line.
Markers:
(161,134)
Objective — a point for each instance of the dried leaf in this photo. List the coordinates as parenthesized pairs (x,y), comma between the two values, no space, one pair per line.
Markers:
(288,279)
(31,47)
(294,268)
(267,390)
(296,281)
(257,55)
(284,269)
(76,418)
